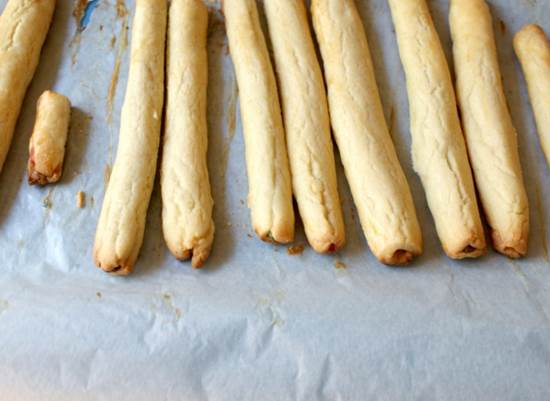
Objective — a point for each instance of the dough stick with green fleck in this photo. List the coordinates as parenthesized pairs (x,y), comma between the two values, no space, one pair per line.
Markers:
(488,127)
(533,50)
(122,221)
(186,198)
(438,148)
(269,184)
(377,182)
(24,25)
(307,124)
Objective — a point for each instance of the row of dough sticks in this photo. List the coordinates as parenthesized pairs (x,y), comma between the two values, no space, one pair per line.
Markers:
(287,115)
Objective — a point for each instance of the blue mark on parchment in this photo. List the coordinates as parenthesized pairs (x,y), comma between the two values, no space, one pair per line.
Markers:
(88,11)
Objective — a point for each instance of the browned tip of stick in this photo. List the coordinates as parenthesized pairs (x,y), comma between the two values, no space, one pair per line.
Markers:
(113,265)
(120,270)
(37,178)
(282,237)
(470,251)
(514,248)
(511,253)
(198,255)
(401,257)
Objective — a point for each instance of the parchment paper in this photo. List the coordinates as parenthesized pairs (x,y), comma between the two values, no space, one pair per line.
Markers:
(256,323)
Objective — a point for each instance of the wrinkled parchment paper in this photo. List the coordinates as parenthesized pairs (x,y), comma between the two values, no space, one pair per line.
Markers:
(256,323)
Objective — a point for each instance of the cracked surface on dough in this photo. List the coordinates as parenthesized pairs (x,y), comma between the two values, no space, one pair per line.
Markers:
(186,197)
(24,25)
(488,127)
(270,190)
(439,151)
(307,124)
(377,182)
(122,221)
(533,50)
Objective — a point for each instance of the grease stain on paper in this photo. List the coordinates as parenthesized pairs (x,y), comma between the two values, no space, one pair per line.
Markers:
(4,305)
(268,306)
(340,265)
(392,121)
(542,222)
(47,200)
(502,26)
(216,29)
(82,13)
(122,45)
(232,110)
(231,118)
(106,175)
(168,302)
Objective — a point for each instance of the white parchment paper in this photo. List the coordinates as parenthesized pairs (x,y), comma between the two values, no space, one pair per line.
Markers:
(256,323)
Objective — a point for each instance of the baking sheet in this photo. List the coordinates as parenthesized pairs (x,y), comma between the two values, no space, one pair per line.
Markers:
(256,323)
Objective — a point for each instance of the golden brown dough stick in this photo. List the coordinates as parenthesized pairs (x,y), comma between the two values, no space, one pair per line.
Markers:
(533,50)
(438,147)
(488,127)
(24,25)
(378,184)
(270,189)
(122,221)
(49,137)
(186,198)
(307,124)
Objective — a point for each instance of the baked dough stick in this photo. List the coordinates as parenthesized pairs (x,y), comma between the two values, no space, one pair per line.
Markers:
(186,198)
(533,51)
(24,25)
(490,133)
(378,184)
(122,220)
(307,124)
(438,147)
(49,137)
(270,189)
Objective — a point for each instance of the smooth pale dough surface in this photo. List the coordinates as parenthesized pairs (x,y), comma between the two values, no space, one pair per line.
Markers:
(269,183)
(122,220)
(533,50)
(490,134)
(186,197)
(49,137)
(438,148)
(24,25)
(307,124)
(378,185)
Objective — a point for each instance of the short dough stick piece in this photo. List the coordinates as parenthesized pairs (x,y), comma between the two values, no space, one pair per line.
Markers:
(270,189)
(533,51)
(49,137)
(307,124)
(24,25)
(122,221)
(378,184)
(186,198)
(488,127)
(438,147)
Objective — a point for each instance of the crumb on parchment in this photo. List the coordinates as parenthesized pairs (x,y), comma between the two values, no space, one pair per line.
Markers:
(339,265)
(80,200)
(47,200)
(296,249)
